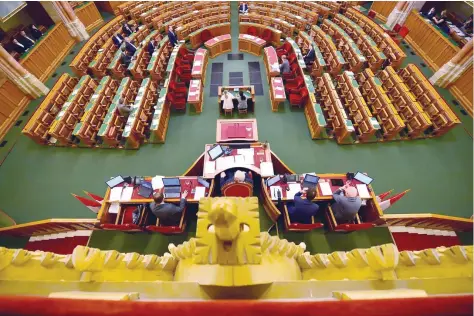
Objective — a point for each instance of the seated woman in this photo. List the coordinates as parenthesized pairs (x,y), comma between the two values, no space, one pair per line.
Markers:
(441,21)
(242,101)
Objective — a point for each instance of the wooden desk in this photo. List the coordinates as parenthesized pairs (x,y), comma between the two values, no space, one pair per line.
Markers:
(219,45)
(276,34)
(333,57)
(251,44)
(160,120)
(141,58)
(89,16)
(271,62)
(256,152)
(249,92)
(200,65)
(305,42)
(277,92)
(159,59)
(284,27)
(195,94)
(244,130)
(216,30)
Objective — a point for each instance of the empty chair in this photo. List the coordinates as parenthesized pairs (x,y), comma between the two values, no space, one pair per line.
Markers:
(177,87)
(205,36)
(371,14)
(294,85)
(395,30)
(285,49)
(178,102)
(299,99)
(252,30)
(184,74)
(355,225)
(267,35)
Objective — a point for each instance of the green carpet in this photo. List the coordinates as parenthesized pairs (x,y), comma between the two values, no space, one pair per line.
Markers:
(36,181)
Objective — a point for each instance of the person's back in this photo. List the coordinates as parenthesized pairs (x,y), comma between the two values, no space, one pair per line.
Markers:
(301,210)
(285,65)
(346,206)
(168,214)
(242,101)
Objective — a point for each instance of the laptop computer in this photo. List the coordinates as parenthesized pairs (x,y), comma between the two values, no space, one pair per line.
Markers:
(115,181)
(215,152)
(172,188)
(310,181)
(359,176)
(145,189)
(273,180)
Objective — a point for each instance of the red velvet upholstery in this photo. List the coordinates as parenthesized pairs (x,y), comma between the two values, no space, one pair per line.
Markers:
(403,31)
(122,227)
(347,228)
(295,72)
(177,102)
(267,35)
(371,14)
(299,99)
(395,30)
(183,74)
(299,227)
(294,84)
(285,49)
(177,87)
(183,53)
(292,58)
(206,35)
(168,230)
(238,189)
(252,31)
(183,64)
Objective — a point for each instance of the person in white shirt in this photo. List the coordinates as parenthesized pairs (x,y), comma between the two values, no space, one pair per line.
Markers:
(228,104)
(25,40)
(18,47)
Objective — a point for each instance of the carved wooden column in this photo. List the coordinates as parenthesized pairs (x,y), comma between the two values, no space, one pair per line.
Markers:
(15,72)
(453,69)
(61,11)
(400,13)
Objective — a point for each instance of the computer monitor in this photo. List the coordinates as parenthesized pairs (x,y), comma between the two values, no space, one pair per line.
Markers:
(273,180)
(146,189)
(115,181)
(363,178)
(215,152)
(170,182)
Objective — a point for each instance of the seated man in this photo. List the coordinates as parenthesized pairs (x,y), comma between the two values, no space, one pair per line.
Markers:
(441,21)
(347,203)
(129,46)
(151,46)
(168,214)
(123,109)
(285,65)
(18,47)
(125,58)
(301,210)
(25,40)
(35,32)
(310,56)
(242,101)
(126,29)
(117,39)
(235,176)
(243,8)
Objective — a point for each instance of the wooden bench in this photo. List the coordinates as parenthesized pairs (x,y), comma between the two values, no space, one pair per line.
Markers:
(284,27)
(334,59)
(215,30)
(157,65)
(306,42)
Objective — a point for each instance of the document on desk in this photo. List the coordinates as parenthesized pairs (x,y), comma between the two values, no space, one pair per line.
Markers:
(229,162)
(248,159)
(239,160)
(199,193)
(114,208)
(266,169)
(157,182)
(294,188)
(126,194)
(363,191)
(209,167)
(325,188)
(244,151)
(220,163)
(115,194)
(274,189)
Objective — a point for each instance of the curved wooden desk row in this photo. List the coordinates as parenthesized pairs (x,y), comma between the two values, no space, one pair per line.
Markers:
(251,44)
(200,64)
(125,8)
(306,42)
(349,49)
(300,23)
(334,59)
(196,40)
(366,44)
(159,60)
(377,33)
(322,8)
(381,105)
(137,12)
(176,10)
(405,102)
(366,125)
(295,13)
(196,25)
(443,118)
(39,123)
(161,117)
(284,27)
(260,29)
(87,53)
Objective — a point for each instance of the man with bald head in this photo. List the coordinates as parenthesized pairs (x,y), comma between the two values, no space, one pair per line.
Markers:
(347,203)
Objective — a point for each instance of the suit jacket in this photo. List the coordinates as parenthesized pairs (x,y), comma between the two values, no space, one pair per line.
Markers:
(117,40)
(345,208)
(36,33)
(130,47)
(172,37)
(151,48)
(26,42)
(302,210)
(311,55)
(18,48)
(126,29)
(243,8)
(285,67)
(169,214)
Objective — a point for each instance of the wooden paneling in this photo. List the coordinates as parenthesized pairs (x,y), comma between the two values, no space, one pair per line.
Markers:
(462,90)
(427,41)
(89,16)
(13,102)
(43,59)
(109,6)
(383,8)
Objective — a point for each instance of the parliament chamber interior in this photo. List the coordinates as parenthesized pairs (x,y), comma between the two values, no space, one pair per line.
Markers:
(315,154)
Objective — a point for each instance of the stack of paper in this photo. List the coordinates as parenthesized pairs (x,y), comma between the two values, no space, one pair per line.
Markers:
(157,182)
(199,193)
(248,159)
(209,167)
(363,191)
(126,194)
(115,194)
(274,189)
(266,169)
(114,208)
(239,160)
(294,188)
(325,188)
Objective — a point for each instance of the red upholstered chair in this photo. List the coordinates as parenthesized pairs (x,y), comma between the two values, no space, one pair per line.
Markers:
(299,227)
(292,58)
(345,227)
(177,87)
(126,221)
(238,189)
(371,14)
(295,72)
(267,36)
(185,54)
(169,230)
(205,35)
(299,99)
(184,74)
(395,30)
(285,49)
(252,30)
(401,34)
(182,63)
(177,101)
(294,84)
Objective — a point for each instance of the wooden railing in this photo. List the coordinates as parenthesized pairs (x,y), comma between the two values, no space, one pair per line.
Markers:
(43,59)
(49,226)
(462,90)
(89,16)
(383,9)
(13,102)
(427,221)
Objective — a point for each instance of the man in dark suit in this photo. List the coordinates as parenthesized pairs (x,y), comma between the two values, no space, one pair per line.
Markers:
(18,47)
(125,58)
(35,32)
(301,210)
(126,29)
(151,46)
(310,56)
(117,39)
(168,214)
(25,40)
(129,46)
(243,8)
(172,36)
